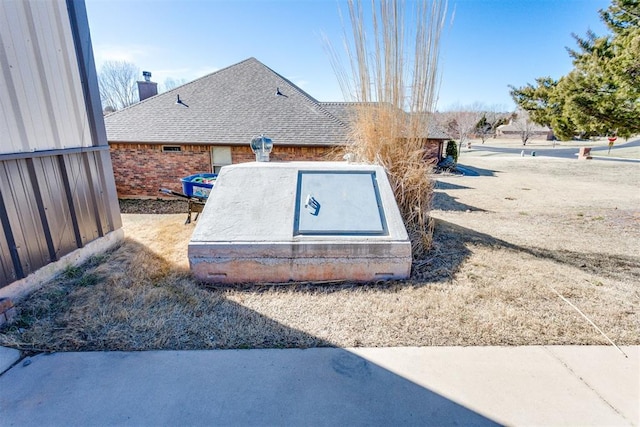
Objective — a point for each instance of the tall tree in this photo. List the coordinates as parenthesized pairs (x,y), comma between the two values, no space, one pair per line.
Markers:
(492,117)
(545,104)
(538,100)
(117,81)
(483,129)
(601,95)
(603,90)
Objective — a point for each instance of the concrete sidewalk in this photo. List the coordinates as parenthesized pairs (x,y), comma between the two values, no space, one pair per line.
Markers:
(548,385)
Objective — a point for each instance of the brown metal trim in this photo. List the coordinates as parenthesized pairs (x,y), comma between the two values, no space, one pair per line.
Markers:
(37,195)
(69,198)
(108,184)
(92,192)
(88,75)
(11,242)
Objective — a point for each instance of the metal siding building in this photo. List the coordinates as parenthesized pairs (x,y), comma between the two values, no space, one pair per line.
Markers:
(57,191)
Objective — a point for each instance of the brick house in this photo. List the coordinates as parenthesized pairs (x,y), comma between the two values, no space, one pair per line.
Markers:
(209,122)
(516,127)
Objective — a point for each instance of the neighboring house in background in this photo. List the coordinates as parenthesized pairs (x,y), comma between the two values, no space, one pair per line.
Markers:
(516,126)
(159,140)
(58,201)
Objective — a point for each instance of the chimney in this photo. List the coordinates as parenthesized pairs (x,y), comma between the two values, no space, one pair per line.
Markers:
(147,88)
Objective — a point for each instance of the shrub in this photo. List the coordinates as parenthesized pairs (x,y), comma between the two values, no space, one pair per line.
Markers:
(393,78)
(452,150)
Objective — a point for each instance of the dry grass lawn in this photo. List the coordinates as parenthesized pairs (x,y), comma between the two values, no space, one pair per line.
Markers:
(507,243)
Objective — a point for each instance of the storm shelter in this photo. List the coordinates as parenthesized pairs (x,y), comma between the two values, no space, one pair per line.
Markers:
(300,221)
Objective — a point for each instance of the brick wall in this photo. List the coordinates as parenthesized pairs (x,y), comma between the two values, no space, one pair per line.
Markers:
(243,154)
(433,151)
(140,170)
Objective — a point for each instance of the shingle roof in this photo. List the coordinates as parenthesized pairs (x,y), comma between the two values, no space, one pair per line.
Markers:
(435,132)
(229,106)
(516,126)
(344,111)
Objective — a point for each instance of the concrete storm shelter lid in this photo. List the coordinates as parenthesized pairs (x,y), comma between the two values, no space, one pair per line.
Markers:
(300,221)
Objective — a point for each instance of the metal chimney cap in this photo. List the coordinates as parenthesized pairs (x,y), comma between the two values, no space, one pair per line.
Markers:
(147,76)
(261,146)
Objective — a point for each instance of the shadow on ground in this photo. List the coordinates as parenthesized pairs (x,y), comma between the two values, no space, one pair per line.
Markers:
(138,302)
(311,387)
(440,185)
(444,202)
(475,171)
(452,245)
(132,299)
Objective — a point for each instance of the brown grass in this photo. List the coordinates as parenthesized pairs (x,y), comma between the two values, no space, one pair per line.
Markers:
(375,132)
(502,243)
(393,56)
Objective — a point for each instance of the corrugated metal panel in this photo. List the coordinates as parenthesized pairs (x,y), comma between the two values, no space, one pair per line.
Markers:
(50,206)
(81,187)
(23,215)
(57,191)
(55,205)
(108,188)
(42,107)
(93,179)
(102,204)
(7,270)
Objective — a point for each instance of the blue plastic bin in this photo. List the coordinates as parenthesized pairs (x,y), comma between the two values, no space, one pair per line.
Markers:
(198,185)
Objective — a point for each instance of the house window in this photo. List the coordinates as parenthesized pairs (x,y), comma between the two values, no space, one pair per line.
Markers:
(220,156)
(171,148)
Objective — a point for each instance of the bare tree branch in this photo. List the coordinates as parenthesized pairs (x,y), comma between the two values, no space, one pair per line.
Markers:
(171,83)
(117,81)
(460,122)
(524,125)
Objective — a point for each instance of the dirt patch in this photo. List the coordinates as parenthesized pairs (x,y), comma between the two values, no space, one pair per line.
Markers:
(151,206)
(506,243)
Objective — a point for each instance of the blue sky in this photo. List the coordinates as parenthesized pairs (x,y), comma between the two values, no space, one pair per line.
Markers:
(485,46)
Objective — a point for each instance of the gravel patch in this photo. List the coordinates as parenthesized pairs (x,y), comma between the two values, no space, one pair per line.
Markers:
(153,206)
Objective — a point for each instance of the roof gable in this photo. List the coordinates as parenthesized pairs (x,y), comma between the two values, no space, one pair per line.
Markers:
(229,106)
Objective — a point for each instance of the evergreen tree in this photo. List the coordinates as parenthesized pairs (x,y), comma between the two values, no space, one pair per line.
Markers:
(601,95)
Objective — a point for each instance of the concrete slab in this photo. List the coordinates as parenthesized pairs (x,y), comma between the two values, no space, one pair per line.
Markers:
(524,385)
(612,375)
(246,387)
(8,356)
(255,226)
(322,386)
